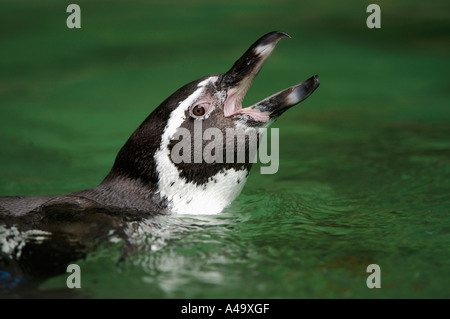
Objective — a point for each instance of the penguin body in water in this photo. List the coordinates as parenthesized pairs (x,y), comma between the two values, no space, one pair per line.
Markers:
(39,236)
(145,177)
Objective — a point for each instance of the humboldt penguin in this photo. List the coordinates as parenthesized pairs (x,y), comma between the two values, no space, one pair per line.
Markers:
(145,177)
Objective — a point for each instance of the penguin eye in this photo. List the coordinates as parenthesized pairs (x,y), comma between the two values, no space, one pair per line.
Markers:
(198,110)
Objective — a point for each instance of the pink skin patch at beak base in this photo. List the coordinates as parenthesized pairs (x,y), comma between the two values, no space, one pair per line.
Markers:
(233,106)
(255,114)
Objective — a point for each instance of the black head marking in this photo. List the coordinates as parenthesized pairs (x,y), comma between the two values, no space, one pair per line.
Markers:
(136,160)
(200,173)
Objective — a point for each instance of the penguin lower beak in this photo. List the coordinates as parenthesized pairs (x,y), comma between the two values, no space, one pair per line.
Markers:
(277,104)
(239,78)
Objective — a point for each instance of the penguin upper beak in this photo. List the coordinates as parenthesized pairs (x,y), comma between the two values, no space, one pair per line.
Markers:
(239,78)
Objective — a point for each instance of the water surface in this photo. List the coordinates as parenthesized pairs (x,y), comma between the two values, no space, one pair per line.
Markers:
(364,162)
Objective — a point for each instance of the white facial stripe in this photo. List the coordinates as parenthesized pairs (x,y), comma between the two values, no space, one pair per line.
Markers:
(178,116)
(211,79)
(188,198)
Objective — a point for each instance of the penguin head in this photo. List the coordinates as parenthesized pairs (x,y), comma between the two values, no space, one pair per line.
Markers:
(166,153)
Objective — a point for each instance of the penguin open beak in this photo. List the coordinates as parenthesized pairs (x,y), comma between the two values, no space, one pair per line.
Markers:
(239,78)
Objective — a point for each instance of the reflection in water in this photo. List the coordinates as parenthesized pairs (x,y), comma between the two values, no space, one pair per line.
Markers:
(40,245)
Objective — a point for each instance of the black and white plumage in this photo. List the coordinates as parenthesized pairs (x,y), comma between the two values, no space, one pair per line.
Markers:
(144,176)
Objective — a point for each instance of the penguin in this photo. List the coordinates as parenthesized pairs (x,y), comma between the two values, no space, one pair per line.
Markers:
(146,178)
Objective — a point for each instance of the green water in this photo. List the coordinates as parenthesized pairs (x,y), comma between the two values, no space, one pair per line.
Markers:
(364,162)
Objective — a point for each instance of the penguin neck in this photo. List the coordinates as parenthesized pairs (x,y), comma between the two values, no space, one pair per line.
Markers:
(143,171)
(135,160)
(144,177)
(133,179)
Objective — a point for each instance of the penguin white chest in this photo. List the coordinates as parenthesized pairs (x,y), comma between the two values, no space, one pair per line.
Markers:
(208,198)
